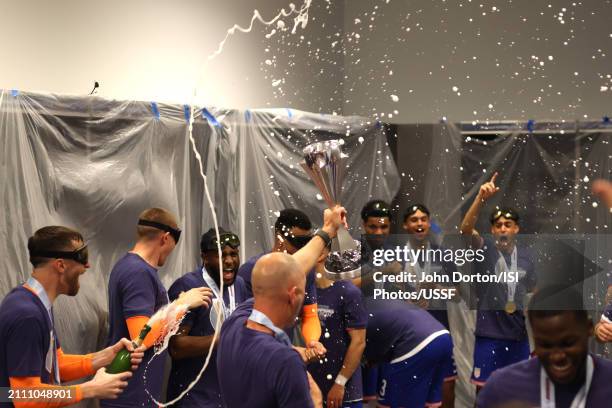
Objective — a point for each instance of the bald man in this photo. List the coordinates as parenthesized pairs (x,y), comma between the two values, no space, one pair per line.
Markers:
(253,343)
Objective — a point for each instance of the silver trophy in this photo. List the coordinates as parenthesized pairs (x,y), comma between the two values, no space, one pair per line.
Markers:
(324,163)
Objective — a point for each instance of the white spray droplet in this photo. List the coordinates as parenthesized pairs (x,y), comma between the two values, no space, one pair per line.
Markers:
(394,98)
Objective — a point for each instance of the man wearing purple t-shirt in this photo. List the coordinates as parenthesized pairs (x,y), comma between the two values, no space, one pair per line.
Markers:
(343,318)
(292,230)
(564,374)
(30,354)
(253,343)
(190,346)
(413,349)
(135,293)
(501,334)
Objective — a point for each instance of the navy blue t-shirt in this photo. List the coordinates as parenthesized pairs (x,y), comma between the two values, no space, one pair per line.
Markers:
(256,370)
(395,328)
(246,270)
(492,321)
(25,338)
(206,392)
(340,309)
(520,383)
(134,289)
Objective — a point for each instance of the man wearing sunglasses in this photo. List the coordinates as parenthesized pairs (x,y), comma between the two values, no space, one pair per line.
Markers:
(30,354)
(190,346)
(135,293)
(292,231)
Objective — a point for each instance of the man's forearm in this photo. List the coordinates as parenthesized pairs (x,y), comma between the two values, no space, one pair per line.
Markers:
(308,255)
(189,346)
(469,221)
(352,358)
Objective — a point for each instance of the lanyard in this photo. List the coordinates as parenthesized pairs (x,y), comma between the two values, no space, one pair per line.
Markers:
(502,266)
(51,364)
(547,388)
(258,317)
(215,289)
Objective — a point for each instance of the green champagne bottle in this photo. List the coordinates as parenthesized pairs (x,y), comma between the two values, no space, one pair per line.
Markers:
(122,361)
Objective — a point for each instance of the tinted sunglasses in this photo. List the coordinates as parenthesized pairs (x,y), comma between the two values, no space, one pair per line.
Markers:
(227,238)
(80,255)
(175,233)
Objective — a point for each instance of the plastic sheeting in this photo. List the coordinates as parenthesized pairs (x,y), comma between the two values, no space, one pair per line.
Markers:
(546,176)
(94,165)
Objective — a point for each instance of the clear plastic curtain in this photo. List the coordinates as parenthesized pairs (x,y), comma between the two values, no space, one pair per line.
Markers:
(546,177)
(94,165)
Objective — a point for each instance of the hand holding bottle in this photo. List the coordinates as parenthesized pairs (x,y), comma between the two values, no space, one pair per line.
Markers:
(104,385)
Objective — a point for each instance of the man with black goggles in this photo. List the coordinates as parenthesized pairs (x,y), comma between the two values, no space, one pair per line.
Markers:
(190,346)
(292,231)
(30,355)
(135,293)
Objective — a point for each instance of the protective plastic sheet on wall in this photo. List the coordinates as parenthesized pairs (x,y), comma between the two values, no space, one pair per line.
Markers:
(94,165)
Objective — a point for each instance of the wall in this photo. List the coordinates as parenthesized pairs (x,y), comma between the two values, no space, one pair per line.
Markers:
(156,50)
(354,55)
(487,50)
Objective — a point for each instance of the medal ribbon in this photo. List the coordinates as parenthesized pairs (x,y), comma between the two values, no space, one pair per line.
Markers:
(502,266)
(34,286)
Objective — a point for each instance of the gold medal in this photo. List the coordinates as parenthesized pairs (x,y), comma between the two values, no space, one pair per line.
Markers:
(510,307)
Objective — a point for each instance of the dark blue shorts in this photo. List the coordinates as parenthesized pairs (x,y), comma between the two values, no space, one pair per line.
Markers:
(491,354)
(371,382)
(417,381)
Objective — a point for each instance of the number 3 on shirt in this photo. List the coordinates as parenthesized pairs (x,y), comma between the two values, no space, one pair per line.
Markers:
(383,387)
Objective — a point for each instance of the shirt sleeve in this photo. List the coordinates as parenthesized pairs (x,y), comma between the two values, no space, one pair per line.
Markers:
(173,293)
(245,271)
(291,383)
(355,315)
(138,295)
(311,289)
(607,314)
(25,351)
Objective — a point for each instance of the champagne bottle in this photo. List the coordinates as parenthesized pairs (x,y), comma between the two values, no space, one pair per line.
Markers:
(122,361)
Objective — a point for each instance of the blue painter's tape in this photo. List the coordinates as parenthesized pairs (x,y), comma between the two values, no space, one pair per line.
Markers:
(14,92)
(155,109)
(247,116)
(289,113)
(530,125)
(187,112)
(210,118)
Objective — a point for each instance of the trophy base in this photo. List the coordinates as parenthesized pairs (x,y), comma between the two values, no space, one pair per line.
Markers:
(338,276)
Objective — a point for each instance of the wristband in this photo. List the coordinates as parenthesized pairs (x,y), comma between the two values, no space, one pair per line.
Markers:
(324,236)
(341,380)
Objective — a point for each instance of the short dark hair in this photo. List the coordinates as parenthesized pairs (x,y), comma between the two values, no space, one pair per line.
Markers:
(506,212)
(54,238)
(289,218)
(375,208)
(412,208)
(554,300)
